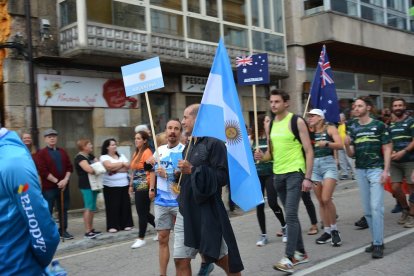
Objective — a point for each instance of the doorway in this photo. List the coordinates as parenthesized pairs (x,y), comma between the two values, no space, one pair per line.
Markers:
(71,126)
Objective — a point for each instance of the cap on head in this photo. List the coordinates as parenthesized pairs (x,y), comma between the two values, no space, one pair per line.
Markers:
(50,131)
(317,112)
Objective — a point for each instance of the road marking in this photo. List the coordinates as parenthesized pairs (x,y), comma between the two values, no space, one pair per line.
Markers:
(349,254)
(94,250)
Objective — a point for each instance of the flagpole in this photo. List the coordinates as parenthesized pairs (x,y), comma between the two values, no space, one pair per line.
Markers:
(256,129)
(307,105)
(152,128)
(185,158)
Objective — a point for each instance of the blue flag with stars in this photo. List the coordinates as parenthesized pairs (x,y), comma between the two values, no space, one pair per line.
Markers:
(220,116)
(323,91)
(252,69)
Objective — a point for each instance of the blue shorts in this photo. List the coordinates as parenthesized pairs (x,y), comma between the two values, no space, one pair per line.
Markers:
(324,167)
(89,199)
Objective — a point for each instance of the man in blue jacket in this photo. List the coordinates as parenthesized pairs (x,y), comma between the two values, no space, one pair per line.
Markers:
(28,235)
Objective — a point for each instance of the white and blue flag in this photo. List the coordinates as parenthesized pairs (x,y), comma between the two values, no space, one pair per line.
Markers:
(220,116)
(142,76)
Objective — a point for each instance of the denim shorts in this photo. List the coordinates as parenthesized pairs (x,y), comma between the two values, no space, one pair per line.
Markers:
(324,167)
(89,199)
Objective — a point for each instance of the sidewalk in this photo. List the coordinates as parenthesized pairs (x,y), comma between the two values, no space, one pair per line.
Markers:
(77,229)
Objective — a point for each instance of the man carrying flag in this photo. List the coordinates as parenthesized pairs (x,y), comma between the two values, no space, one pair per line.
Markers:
(323,92)
(202,224)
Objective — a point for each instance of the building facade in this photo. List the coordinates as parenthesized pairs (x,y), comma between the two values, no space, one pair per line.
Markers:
(69,78)
(370,44)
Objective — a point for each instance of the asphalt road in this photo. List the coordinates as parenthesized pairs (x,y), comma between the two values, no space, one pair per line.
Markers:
(116,258)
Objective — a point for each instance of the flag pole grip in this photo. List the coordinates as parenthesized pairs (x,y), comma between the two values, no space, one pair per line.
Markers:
(152,128)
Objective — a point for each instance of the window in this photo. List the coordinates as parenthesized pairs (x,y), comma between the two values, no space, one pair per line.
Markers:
(368,82)
(396,85)
(396,21)
(267,42)
(349,7)
(203,30)
(310,4)
(172,4)
(344,80)
(267,14)
(372,14)
(278,16)
(193,6)
(234,11)
(67,12)
(211,8)
(127,15)
(166,23)
(99,11)
(255,13)
(398,5)
(235,36)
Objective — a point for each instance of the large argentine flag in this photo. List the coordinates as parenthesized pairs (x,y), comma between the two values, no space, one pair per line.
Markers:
(220,116)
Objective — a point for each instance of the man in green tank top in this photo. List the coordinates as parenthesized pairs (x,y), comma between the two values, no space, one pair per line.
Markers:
(292,172)
(370,142)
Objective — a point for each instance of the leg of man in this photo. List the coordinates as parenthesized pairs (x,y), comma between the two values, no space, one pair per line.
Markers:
(364,191)
(50,197)
(182,254)
(377,205)
(289,190)
(272,201)
(164,222)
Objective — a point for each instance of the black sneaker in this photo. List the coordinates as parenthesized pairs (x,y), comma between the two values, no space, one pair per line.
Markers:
(90,235)
(66,236)
(370,248)
(205,269)
(324,238)
(378,251)
(96,232)
(397,209)
(336,238)
(362,223)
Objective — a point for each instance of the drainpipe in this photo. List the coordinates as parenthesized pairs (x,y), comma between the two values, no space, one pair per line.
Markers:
(34,129)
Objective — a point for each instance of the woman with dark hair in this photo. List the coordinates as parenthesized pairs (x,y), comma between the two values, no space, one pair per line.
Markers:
(265,173)
(141,174)
(115,182)
(83,161)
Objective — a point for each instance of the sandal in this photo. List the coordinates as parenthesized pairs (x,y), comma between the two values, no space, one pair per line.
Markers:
(313,230)
(128,228)
(112,230)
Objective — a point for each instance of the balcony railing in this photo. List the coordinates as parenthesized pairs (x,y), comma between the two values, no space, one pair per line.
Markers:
(114,38)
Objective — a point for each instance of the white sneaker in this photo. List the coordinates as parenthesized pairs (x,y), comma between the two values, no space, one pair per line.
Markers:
(155,238)
(138,243)
(262,241)
(284,231)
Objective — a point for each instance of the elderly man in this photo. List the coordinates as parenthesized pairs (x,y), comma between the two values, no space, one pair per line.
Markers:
(55,168)
(202,222)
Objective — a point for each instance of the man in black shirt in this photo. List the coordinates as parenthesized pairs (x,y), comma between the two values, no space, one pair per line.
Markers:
(202,224)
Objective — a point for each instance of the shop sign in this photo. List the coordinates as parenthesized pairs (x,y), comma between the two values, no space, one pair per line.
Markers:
(193,84)
(57,90)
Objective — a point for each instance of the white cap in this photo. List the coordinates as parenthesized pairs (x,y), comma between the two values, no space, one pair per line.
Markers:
(141,128)
(317,112)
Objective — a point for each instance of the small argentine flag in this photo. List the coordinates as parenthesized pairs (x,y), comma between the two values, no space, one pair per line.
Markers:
(142,76)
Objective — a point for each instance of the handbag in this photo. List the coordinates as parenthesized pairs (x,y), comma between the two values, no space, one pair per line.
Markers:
(139,180)
(96,180)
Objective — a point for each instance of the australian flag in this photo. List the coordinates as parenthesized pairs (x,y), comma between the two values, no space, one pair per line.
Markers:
(252,69)
(323,92)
